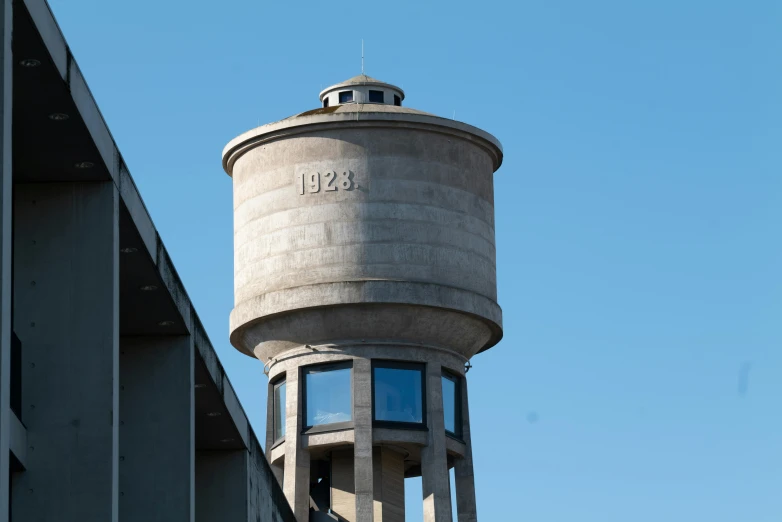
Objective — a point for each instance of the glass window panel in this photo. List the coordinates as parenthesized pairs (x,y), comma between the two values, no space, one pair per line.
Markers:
(376,97)
(398,395)
(346,96)
(449,404)
(279,411)
(397,100)
(328,396)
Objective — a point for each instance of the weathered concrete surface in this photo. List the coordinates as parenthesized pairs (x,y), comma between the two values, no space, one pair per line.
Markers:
(362,446)
(434,459)
(466,507)
(343,483)
(267,500)
(389,485)
(408,229)
(66,313)
(296,483)
(157,429)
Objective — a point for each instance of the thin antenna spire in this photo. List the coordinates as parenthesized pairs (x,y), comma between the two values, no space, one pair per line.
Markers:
(362,56)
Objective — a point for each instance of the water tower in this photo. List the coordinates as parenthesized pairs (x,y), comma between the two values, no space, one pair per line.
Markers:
(364,280)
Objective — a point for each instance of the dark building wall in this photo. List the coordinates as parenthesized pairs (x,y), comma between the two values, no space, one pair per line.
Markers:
(120,408)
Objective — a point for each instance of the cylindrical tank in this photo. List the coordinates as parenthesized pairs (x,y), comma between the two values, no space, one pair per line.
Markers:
(361,221)
(364,232)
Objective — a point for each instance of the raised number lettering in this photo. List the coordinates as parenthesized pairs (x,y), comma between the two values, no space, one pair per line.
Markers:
(345,180)
(331,177)
(314,182)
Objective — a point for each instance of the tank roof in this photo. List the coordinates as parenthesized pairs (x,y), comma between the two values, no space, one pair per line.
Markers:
(362,79)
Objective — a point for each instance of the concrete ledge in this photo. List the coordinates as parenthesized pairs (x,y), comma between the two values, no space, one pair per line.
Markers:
(353,115)
(93,119)
(235,410)
(331,438)
(218,376)
(278,452)
(394,436)
(454,447)
(138,211)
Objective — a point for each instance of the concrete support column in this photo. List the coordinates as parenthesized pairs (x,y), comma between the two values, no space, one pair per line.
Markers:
(222,486)
(434,461)
(343,484)
(362,449)
(6,200)
(466,507)
(297,459)
(389,485)
(157,429)
(66,314)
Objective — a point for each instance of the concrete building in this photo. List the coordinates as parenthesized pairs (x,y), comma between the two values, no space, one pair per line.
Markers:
(365,282)
(113,404)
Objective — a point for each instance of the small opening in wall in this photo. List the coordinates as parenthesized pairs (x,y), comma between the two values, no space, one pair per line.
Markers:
(325,102)
(346,97)
(397,100)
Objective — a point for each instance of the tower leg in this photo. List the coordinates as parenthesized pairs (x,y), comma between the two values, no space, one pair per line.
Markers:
(362,456)
(465,479)
(434,461)
(389,485)
(297,459)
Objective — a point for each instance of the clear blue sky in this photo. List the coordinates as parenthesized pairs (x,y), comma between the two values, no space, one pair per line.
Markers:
(638,218)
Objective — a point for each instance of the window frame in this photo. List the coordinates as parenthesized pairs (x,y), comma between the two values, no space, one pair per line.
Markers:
(397,100)
(276,383)
(382,94)
(401,365)
(352,96)
(333,426)
(456,379)
(325,102)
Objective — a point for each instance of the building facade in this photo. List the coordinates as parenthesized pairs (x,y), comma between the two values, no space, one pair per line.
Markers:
(113,403)
(365,282)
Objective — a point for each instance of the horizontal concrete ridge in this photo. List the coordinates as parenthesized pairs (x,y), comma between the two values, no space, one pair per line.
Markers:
(359,115)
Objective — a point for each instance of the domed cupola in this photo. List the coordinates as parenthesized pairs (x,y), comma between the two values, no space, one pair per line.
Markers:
(362,89)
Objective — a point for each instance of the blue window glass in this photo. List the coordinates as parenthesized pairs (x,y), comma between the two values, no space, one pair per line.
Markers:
(376,97)
(346,97)
(398,393)
(279,411)
(449,404)
(328,397)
